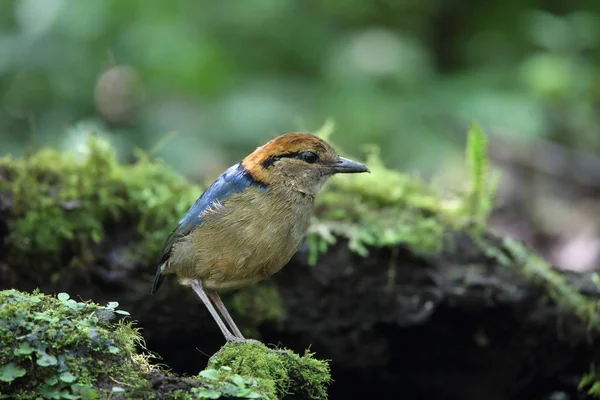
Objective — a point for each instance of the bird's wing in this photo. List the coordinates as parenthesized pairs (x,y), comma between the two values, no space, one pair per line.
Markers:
(233,180)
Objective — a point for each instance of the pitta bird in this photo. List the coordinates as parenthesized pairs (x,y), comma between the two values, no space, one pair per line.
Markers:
(250,221)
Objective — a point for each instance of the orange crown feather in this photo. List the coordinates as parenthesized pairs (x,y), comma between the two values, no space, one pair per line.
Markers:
(293,142)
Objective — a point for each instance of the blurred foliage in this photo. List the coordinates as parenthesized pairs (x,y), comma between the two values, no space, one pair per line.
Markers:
(406,75)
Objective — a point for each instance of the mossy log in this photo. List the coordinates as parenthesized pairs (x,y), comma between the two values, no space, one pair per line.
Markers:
(398,285)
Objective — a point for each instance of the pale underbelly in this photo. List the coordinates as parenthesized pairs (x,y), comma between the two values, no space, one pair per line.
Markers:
(239,261)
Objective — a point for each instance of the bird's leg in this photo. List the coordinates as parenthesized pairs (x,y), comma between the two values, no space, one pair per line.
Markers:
(239,338)
(197,286)
(214,296)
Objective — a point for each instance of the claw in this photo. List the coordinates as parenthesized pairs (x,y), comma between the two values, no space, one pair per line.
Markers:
(235,339)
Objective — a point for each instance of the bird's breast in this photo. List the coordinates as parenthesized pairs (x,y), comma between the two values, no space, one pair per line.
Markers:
(249,237)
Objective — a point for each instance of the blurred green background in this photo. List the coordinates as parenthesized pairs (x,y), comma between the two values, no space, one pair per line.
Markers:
(227,75)
(406,75)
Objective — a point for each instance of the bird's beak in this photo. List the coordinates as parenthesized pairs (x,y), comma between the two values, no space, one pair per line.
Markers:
(347,166)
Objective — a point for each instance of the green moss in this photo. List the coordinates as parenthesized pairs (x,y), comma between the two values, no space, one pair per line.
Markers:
(387,207)
(62,203)
(57,348)
(590,383)
(277,372)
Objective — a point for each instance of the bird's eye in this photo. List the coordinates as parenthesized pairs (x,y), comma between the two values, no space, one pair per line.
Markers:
(309,157)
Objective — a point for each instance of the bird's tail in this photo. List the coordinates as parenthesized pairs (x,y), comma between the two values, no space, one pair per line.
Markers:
(158,278)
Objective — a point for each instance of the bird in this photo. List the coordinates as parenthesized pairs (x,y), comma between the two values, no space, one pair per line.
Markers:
(250,221)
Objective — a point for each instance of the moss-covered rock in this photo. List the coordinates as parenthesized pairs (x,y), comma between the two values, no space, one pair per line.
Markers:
(261,372)
(57,348)
(59,205)
(278,372)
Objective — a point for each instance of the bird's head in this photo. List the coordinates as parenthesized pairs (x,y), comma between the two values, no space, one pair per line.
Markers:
(299,160)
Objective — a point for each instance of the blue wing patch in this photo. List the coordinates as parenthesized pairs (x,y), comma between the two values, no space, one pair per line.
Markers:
(235,179)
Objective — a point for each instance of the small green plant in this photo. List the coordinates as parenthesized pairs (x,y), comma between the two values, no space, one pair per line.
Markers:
(223,382)
(58,348)
(590,382)
(481,193)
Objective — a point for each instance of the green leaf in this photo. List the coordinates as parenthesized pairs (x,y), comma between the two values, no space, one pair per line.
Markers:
(50,392)
(86,392)
(596,279)
(10,372)
(113,350)
(225,368)
(238,380)
(24,349)
(52,380)
(210,374)
(67,377)
(40,316)
(73,305)
(208,394)
(63,296)
(45,360)
(253,395)
(112,305)
(117,389)
(595,389)
(481,192)
(122,312)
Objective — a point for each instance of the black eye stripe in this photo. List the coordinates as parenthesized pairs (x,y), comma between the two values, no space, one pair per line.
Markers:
(307,156)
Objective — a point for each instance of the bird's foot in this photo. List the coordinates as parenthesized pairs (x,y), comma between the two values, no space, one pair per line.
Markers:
(235,339)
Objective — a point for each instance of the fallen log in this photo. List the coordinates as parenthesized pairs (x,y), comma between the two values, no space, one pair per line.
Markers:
(399,285)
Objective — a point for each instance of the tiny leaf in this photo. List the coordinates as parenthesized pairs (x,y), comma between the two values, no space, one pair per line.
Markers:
(67,377)
(72,304)
(112,305)
(51,381)
(238,380)
(63,296)
(210,374)
(23,349)
(45,359)
(10,372)
(86,392)
(50,392)
(208,394)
